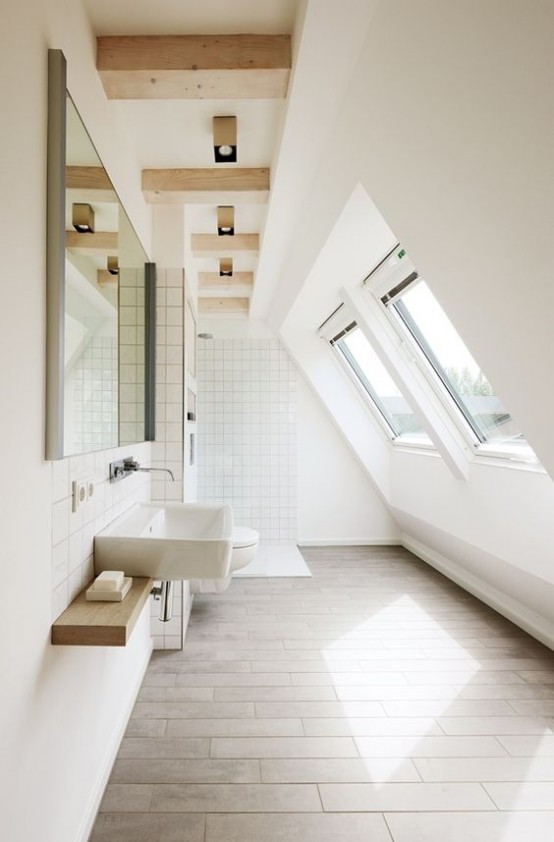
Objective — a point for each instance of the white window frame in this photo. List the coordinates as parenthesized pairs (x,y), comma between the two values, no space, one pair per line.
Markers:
(339,322)
(391,273)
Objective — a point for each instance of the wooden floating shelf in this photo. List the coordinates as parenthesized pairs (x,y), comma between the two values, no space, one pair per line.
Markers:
(101,623)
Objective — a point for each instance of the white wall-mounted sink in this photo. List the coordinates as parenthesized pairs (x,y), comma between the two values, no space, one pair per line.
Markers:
(168,541)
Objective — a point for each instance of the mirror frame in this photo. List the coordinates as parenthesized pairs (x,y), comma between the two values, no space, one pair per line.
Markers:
(150,352)
(55,274)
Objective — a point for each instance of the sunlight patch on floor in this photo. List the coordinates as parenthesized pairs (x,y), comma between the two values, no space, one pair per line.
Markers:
(413,653)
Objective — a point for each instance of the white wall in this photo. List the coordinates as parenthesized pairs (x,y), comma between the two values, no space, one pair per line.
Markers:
(458,158)
(337,504)
(62,709)
(493,533)
(444,124)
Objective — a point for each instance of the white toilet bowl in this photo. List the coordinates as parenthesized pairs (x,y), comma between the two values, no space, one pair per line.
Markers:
(245,546)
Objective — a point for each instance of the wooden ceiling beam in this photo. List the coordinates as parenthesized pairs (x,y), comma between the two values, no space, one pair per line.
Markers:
(106,279)
(101,242)
(87,178)
(212,245)
(224,185)
(92,184)
(239,285)
(223,306)
(210,281)
(194,66)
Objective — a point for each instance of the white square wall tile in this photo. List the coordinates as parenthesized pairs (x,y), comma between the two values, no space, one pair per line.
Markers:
(60,563)
(60,480)
(249,458)
(60,599)
(174,297)
(75,583)
(174,355)
(75,551)
(174,316)
(173,432)
(174,278)
(60,521)
(174,451)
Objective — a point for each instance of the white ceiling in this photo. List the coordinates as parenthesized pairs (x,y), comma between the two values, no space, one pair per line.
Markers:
(189,17)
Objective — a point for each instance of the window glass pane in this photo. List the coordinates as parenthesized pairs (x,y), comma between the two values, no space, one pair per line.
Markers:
(448,354)
(377,382)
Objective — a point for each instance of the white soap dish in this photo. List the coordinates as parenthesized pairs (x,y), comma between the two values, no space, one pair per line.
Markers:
(95,595)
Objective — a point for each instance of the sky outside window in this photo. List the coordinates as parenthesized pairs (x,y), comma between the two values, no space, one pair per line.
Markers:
(450,357)
(379,384)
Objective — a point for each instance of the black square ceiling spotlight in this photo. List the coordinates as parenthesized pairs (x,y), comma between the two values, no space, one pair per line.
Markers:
(225,267)
(225,220)
(225,140)
(82,218)
(113,265)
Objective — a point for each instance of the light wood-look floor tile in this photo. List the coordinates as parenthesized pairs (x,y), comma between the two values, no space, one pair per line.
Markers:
(421,797)
(314,827)
(376,700)
(477,827)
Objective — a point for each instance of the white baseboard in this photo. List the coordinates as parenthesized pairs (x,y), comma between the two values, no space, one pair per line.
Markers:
(528,620)
(111,753)
(353,542)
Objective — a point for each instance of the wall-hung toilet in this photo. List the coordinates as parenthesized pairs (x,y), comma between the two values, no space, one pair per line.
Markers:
(245,546)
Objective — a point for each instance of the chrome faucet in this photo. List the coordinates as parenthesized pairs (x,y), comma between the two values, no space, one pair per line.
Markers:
(133,465)
(124,467)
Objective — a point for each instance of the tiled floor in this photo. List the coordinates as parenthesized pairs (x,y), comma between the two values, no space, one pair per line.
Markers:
(373,702)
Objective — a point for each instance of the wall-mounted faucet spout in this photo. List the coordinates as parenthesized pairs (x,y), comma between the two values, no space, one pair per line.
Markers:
(133,465)
(167,471)
(124,467)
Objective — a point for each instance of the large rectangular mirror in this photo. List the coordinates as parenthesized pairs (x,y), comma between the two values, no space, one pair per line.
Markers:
(97,274)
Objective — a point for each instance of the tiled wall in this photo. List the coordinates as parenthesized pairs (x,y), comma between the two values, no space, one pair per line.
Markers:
(247,453)
(91,396)
(167,450)
(73,532)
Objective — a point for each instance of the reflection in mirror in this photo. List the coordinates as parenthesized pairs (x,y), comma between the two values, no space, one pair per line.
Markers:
(131,336)
(96,294)
(91,320)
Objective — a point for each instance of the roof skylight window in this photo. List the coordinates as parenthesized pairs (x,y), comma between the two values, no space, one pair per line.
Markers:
(420,314)
(370,373)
